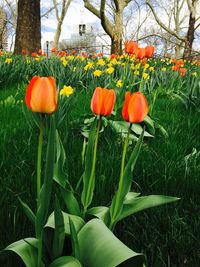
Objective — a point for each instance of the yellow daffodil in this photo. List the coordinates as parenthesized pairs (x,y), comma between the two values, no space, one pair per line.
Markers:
(101,62)
(66,90)
(164,69)
(88,66)
(146,66)
(119,83)
(97,73)
(194,73)
(8,60)
(110,70)
(145,76)
(151,68)
(136,72)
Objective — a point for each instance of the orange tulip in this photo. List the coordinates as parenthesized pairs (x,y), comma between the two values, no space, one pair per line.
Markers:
(182,71)
(131,47)
(41,95)
(149,50)
(135,107)
(34,54)
(103,100)
(23,51)
(53,50)
(141,53)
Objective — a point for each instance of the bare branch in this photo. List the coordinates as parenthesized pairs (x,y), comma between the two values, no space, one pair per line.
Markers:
(162,24)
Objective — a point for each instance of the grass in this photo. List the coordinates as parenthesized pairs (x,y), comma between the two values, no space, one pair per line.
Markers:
(167,235)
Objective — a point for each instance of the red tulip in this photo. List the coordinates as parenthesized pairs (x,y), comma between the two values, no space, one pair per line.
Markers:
(135,107)
(102,102)
(41,95)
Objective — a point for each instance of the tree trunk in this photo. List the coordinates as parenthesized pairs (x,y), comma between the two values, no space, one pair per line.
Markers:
(189,38)
(116,44)
(57,35)
(28,32)
(116,38)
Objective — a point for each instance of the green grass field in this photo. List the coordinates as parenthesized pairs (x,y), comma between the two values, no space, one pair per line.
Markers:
(169,165)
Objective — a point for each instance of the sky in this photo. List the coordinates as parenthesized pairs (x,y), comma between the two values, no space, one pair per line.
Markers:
(76,14)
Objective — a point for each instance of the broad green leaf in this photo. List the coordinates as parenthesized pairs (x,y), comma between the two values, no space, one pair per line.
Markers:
(77,221)
(99,247)
(26,250)
(130,196)
(150,125)
(70,202)
(134,205)
(45,193)
(89,172)
(59,175)
(65,261)
(121,127)
(100,212)
(28,211)
(118,200)
(137,128)
(74,240)
(59,232)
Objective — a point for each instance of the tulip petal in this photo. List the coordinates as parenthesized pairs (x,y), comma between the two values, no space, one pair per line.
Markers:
(29,91)
(43,98)
(96,101)
(109,100)
(125,106)
(137,108)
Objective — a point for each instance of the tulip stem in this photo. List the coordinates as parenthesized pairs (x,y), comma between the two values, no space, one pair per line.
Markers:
(89,190)
(39,157)
(116,208)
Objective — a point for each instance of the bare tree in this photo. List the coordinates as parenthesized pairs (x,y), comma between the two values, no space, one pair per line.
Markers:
(111,21)
(63,5)
(185,23)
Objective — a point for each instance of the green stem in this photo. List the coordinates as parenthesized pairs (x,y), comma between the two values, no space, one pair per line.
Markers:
(93,166)
(39,157)
(121,181)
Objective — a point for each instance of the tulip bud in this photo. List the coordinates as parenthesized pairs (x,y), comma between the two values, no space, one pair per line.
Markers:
(41,95)
(102,102)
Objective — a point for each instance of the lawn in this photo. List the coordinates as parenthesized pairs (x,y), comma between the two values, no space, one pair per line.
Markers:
(168,164)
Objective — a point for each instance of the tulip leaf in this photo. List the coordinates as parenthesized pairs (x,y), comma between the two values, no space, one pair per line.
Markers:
(100,212)
(70,202)
(109,250)
(65,261)
(118,200)
(74,240)
(59,233)
(130,196)
(137,128)
(134,205)
(28,211)
(77,221)
(26,249)
(150,125)
(59,175)
(89,172)
(46,189)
